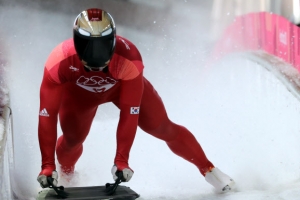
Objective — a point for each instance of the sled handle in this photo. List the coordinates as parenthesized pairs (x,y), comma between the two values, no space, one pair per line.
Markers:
(112,187)
(59,190)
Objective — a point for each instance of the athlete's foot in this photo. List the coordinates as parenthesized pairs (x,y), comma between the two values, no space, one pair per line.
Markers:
(222,182)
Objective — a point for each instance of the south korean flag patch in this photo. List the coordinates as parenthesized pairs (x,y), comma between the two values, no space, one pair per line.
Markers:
(134,110)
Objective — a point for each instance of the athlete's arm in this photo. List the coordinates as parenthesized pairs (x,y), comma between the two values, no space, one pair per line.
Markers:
(50,98)
(130,97)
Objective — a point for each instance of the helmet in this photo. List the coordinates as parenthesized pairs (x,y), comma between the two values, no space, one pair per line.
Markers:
(94,35)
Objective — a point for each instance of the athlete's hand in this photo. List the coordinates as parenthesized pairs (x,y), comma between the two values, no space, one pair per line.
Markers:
(126,172)
(42,178)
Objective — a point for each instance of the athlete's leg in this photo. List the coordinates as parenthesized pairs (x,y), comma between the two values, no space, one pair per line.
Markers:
(76,117)
(153,119)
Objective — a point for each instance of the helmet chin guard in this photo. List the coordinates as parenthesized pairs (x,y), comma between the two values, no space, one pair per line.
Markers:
(94,35)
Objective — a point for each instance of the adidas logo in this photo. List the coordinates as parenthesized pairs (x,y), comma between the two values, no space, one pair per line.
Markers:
(44,113)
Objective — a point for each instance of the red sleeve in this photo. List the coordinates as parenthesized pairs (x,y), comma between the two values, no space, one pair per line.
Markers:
(127,61)
(50,96)
(130,99)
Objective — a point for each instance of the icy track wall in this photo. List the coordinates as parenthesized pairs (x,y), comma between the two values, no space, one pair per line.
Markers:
(6,134)
(270,38)
(262,31)
(6,154)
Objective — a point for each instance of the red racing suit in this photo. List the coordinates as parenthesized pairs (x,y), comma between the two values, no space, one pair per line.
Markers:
(71,94)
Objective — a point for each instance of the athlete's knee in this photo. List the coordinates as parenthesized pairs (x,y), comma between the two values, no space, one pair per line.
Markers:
(178,133)
(67,144)
(166,130)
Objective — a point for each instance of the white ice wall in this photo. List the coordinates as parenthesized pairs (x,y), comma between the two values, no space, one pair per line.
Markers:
(6,155)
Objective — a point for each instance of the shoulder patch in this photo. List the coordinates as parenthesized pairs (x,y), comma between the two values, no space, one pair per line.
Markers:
(134,110)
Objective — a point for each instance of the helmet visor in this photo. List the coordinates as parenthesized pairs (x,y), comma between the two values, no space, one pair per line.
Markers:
(95,51)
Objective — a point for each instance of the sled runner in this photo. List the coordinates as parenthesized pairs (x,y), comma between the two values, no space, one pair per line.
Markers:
(93,192)
(111,191)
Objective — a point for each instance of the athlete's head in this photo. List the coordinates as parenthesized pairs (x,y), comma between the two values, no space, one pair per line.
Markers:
(94,35)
